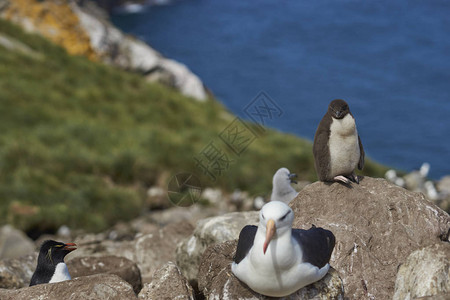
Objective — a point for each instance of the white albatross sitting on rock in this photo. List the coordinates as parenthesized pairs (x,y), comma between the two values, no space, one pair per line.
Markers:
(275,260)
(281,186)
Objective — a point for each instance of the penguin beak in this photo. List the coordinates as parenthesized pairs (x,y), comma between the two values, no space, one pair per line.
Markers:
(70,247)
(292,177)
(270,231)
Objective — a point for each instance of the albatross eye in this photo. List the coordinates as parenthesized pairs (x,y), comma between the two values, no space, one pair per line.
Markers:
(284,217)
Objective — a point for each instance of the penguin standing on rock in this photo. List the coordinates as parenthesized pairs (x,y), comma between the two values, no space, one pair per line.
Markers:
(337,146)
(51,266)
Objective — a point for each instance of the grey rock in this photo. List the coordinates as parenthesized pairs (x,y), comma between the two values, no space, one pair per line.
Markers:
(155,249)
(436,297)
(14,243)
(414,181)
(101,286)
(120,266)
(443,185)
(167,283)
(216,280)
(208,232)
(121,231)
(424,273)
(156,198)
(377,225)
(149,251)
(97,245)
(16,273)
(143,226)
(191,214)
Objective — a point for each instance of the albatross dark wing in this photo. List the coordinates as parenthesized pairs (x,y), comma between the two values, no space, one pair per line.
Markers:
(246,239)
(316,243)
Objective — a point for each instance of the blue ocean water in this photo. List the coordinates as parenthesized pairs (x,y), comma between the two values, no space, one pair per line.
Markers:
(390,60)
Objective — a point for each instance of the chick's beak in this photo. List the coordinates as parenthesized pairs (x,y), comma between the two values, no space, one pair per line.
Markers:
(292,177)
(270,231)
(70,246)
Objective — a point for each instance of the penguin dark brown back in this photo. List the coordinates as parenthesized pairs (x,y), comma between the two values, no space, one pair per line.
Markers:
(337,146)
(51,266)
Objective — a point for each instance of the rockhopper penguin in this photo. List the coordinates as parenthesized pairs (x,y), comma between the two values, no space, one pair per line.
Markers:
(276,260)
(337,146)
(50,266)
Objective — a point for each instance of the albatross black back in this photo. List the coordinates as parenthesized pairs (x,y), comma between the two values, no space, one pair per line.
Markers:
(317,245)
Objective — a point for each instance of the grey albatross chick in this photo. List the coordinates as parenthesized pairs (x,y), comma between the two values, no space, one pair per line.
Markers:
(51,266)
(281,186)
(275,260)
(337,146)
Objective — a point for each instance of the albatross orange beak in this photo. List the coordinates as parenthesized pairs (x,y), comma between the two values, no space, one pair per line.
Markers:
(70,247)
(270,231)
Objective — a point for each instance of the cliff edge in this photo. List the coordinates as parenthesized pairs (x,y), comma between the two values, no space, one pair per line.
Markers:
(85,30)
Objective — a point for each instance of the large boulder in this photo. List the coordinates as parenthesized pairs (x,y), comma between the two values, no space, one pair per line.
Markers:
(167,283)
(14,243)
(425,273)
(208,232)
(96,245)
(100,286)
(377,225)
(16,273)
(216,280)
(120,266)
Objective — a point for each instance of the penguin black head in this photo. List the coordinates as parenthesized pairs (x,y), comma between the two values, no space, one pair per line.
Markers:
(338,109)
(53,252)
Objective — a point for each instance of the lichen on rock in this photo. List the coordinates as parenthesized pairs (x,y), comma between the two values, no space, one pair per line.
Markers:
(53,19)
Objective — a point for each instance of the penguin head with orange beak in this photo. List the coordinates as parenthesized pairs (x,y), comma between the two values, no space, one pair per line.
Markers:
(275,219)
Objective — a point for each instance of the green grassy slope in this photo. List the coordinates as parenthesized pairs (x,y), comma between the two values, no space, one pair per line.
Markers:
(81,142)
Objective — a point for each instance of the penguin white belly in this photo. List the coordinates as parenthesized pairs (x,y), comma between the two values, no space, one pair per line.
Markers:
(61,273)
(344,146)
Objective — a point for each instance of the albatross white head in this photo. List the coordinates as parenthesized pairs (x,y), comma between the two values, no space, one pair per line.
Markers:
(275,219)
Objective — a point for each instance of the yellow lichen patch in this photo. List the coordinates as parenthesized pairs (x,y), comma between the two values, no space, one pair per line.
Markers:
(54,19)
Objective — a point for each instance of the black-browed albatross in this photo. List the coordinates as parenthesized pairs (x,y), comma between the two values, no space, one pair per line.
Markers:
(275,260)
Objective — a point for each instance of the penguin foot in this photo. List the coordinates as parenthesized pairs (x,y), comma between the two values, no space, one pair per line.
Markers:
(341,178)
(354,178)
